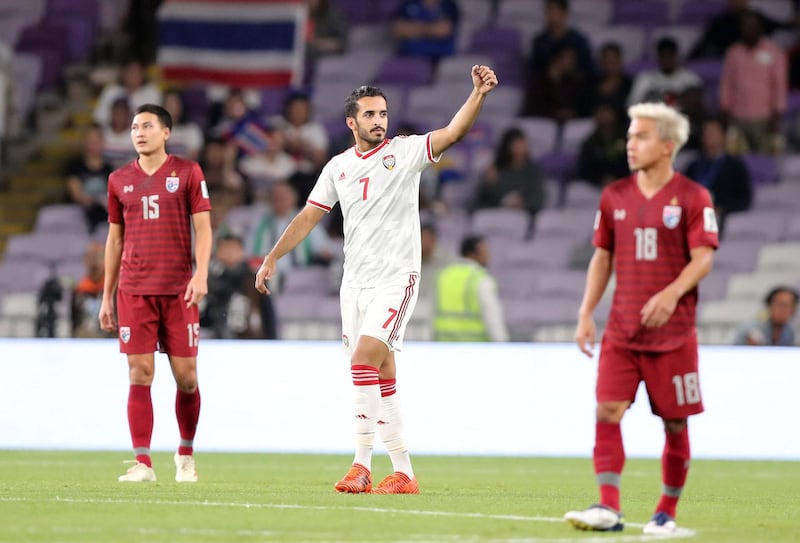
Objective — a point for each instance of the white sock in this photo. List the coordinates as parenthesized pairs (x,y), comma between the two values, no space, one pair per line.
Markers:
(367,406)
(390,428)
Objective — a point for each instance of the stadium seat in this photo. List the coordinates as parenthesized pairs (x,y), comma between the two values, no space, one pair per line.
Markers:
(500,222)
(781,196)
(790,169)
(559,223)
(694,12)
(573,134)
(763,168)
(793,228)
(737,255)
(61,218)
(767,226)
(754,286)
(779,10)
(640,13)
(566,283)
(404,71)
(538,254)
(591,12)
(780,257)
(457,69)
(307,280)
(47,247)
(241,220)
(352,69)
(581,195)
(513,282)
(728,312)
(542,134)
(22,276)
(715,285)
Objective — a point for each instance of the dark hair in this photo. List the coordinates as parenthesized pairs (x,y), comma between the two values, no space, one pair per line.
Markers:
(163,115)
(563,4)
(777,290)
(351,103)
(611,46)
(667,45)
(470,244)
(502,157)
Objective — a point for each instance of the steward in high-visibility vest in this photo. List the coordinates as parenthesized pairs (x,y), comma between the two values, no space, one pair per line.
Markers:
(458,309)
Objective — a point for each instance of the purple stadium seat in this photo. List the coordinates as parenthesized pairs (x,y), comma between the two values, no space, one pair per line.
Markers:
(782,196)
(404,71)
(574,132)
(737,255)
(708,69)
(305,307)
(457,68)
(47,246)
(575,224)
(515,283)
(790,168)
(581,195)
(793,228)
(779,10)
(643,13)
(694,12)
(542,134)
(61,218)
(540,253)
(357,11)
(307,280)
(196,103)
(558,165)
(591,12)
(501,222)
(715,285)
(22,276)
(567,283)
(47,42)
(495,41)
(765,226)
(763,168)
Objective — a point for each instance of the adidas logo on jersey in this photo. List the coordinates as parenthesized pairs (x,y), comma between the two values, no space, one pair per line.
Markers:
(342,176)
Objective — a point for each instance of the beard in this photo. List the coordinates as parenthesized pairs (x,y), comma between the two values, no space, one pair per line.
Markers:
(370,137)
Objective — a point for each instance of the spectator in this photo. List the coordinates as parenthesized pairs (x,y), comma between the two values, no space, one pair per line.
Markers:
(724,30)
(226,185)
(753,88)
(513,180)
(434,259)
(306,140)
(692,103)
(426,28)
(241,125)
(562,93)
(186,137)
(776,329)
(327,32)
(87,179)
(316,248)
(724,175)
(88,294)
(268,165)
(667,81)
(554,37)
(232,308)
(613,84)
(603,157)
(468,306)
(132,85)
(117,149)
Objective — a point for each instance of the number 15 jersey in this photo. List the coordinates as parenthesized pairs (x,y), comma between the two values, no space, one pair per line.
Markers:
(379,195)
(651,240)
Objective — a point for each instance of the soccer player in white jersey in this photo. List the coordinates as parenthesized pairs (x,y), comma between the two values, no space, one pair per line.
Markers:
(376,182)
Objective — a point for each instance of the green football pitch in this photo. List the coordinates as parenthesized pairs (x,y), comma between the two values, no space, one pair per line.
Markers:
(67,496)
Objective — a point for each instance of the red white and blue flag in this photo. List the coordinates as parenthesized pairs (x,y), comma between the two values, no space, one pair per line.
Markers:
(241,43)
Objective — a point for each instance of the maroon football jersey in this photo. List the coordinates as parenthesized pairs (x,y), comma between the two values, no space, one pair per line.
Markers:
(650,241)
(155,212)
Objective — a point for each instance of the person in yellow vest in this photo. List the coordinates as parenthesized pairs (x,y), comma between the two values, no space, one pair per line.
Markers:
(468,307)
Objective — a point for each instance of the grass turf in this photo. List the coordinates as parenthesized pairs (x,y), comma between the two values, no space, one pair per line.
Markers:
(68,496)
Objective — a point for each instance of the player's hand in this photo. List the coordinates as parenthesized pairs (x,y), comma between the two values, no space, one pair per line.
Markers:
(484,79)
(585,335)
(264,274)
(106,316)
(196,290)
(658,309)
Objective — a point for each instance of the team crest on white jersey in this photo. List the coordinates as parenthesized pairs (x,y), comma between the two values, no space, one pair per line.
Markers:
(172,182)
(125,333)
(671,216)
(388,162)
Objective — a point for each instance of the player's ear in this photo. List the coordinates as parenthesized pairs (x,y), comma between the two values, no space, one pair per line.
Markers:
(350,123)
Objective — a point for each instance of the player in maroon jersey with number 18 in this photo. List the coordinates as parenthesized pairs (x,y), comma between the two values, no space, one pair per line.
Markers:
(657,230)
(153,204)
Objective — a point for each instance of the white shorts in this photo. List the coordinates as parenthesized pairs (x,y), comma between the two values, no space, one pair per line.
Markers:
(380,312)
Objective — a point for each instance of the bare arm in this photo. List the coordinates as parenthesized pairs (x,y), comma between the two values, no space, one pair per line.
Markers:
(198,285)
(658,309)
(112,262)
(298,229)
(483,81)
(597,277)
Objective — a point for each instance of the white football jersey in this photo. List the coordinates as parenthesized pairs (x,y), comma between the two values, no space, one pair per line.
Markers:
(379,195)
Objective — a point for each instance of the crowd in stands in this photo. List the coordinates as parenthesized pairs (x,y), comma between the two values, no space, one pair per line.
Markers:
(553,134)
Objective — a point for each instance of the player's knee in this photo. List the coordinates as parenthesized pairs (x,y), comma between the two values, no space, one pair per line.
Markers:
(610,412)
(674,426)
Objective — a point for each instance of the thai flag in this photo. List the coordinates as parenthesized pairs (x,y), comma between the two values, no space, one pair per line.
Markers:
(241,43)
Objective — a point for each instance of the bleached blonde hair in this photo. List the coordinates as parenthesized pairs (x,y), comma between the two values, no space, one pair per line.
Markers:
(671,124)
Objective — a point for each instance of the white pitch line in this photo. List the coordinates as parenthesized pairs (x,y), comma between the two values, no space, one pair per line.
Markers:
(681,533)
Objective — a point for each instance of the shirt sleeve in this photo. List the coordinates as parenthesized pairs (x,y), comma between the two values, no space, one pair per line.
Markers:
(604,225)
(702,222)
(198,191)
(324,195)
(114,205)
(492,310)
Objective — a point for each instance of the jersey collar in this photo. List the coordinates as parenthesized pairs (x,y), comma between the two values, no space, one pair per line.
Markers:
(371,152)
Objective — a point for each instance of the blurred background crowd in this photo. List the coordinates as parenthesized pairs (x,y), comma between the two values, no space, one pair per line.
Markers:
(516,197)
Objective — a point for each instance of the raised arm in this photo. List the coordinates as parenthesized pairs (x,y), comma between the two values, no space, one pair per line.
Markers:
(298,229)
(483,81)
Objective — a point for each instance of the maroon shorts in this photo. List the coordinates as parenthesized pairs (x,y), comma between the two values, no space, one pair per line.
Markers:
(671,378)
(152,323)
